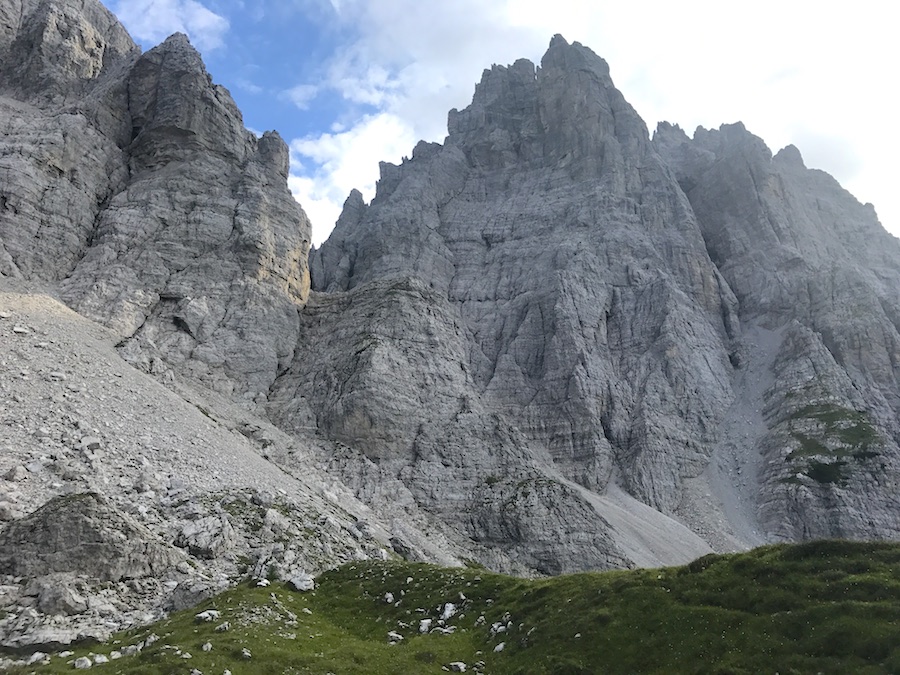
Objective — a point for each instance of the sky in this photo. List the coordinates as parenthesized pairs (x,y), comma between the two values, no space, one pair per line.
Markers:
(349,83)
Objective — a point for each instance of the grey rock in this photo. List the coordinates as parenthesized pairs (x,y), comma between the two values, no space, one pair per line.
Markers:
(208,615)
(223,233)
(805,256)
(83,663)
(8,511)
(577,308)
(542,278)
(55,597)
(187,595)
(550,342)
(90,443)
(302,582)
(208,537)
(16,474)
(37,657)
(82,534)
(131,179)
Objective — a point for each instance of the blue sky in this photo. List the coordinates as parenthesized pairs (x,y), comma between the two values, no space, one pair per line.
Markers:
(351,82)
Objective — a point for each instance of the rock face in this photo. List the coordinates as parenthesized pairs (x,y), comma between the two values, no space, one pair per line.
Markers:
(124,499)
(130,188)
(809,262)
(549,344)
(131,179)
(566,327)
(551,299)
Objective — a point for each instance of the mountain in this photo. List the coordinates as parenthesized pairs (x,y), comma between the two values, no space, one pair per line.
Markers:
(550,344)
(689,324)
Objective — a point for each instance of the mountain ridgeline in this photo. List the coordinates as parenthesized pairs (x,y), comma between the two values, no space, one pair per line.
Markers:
(552,343)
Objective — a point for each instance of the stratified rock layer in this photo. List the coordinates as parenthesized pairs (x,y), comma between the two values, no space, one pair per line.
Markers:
(551,298)
(131,179)
(577,297)
(809,261)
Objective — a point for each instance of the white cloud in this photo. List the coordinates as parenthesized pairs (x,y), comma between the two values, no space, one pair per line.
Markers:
(301,95)
(342,161)
(152,21)
(248,85)
(801,72)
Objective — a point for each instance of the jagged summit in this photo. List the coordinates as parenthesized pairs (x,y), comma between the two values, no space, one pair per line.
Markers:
(563,111)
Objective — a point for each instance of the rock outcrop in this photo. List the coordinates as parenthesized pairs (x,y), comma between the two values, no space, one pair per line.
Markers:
(560,293)
(122,499)
(130,188)
(81,533)
(807,260)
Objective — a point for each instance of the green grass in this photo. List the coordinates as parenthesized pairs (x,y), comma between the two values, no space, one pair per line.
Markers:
(841,435)
(829,607)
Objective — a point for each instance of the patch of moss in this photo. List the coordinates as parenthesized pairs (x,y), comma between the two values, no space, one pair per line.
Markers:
(827,472)
(849,427)
(843,434)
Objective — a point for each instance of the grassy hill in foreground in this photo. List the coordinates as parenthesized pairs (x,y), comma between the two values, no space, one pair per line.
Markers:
(829,607)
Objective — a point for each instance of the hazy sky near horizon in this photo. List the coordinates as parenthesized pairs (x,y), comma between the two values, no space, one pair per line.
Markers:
(349,83)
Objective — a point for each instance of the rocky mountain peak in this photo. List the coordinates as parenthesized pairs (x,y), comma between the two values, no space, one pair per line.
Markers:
(575,272)
(566,111)
(145,196)
(790,155)
(575,56)
(171,95)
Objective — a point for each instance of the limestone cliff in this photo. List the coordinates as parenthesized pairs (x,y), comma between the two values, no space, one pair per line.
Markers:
(708,328)
(814,266)
(131,180)
(588,327)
